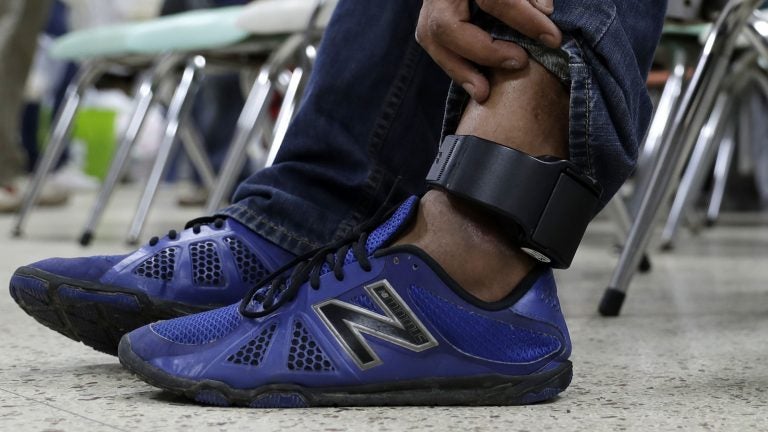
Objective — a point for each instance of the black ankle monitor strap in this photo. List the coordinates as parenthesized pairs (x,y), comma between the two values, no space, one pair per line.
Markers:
(548,202)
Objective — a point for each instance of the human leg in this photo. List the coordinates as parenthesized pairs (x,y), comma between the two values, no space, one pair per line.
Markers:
(347,144)
(371,114)
(529,111)
(381,320)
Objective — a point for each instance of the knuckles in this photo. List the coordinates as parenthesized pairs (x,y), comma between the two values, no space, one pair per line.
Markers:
(435,26)
(431,28)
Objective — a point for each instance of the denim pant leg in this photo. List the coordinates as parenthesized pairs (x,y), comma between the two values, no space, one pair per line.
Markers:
(371,113)
(609,46)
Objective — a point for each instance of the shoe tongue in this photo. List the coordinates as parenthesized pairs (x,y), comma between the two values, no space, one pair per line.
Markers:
(386,232)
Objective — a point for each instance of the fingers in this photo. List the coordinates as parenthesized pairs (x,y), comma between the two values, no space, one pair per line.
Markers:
(462,72)
(478,46)
(457,46)
(529,17)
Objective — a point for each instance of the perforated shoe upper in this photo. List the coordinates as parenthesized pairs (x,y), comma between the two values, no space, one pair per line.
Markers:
(402,318)
(208,266)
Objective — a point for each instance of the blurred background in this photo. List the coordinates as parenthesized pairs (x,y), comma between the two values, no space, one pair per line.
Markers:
(124,100)
(122,119)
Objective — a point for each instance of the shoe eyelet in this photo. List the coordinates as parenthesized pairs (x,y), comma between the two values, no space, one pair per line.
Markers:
(414,267)
(396,260)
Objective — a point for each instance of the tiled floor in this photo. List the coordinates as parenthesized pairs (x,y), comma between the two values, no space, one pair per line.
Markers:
(689,352)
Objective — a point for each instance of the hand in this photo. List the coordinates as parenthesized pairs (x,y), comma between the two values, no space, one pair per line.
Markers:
(455,44)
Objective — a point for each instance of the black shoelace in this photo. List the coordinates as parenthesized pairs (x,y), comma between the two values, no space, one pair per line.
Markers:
(195,224)
(280,288)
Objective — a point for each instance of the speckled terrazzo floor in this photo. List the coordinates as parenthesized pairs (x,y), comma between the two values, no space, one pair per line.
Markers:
(689,352)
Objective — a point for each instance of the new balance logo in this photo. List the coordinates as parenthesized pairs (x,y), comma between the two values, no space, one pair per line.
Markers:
(399,325)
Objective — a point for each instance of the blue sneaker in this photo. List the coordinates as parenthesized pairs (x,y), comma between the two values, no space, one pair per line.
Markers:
(96,300)
(366,324)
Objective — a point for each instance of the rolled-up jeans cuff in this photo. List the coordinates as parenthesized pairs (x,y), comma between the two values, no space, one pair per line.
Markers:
(556,61)
(566,63)
(553,60)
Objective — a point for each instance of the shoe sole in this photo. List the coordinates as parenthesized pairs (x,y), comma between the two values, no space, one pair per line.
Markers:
(93,314)
(489,390)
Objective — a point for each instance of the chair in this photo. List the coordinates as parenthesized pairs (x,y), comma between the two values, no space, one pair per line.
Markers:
(676,142)
(256,104)
(188,41)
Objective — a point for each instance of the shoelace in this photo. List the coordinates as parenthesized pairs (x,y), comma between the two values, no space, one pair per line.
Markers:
(195,224)
(278,288)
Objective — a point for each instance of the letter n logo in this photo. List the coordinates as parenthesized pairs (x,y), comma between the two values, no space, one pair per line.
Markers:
(399,325)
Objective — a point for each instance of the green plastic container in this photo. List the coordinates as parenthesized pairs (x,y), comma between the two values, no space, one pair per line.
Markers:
(95,127)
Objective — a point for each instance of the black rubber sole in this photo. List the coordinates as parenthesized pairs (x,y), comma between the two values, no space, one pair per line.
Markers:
(489,390)
(95,315)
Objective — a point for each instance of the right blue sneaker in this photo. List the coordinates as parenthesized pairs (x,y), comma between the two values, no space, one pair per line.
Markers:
(96,300)
(363,323)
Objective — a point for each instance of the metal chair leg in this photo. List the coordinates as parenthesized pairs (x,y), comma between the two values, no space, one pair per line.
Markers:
(287,111)
(704,152)
(660,125)
(193,146)
(620,215)
(757,32)
(177,111)
(697,170)
(255,107)
(62,126)
(725,156)
(743,131)
(722,167)
(688,120)
(254,110)
(144,95)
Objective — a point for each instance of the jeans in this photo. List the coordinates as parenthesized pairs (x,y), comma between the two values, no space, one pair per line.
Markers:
(373,108)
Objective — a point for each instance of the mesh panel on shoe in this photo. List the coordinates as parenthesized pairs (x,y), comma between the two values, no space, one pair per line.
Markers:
(253,352)
(481,336)
(206,264)
(305,354)
(159,266)
(200,328)
(251,269)
(385,231)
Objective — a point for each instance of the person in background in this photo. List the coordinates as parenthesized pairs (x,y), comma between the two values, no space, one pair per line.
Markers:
(20,23)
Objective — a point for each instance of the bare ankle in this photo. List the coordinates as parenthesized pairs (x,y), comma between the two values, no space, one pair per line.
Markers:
(470,246)
(526,110)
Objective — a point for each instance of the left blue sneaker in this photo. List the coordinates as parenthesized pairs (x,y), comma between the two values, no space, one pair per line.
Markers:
(96,300)
(363,325)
